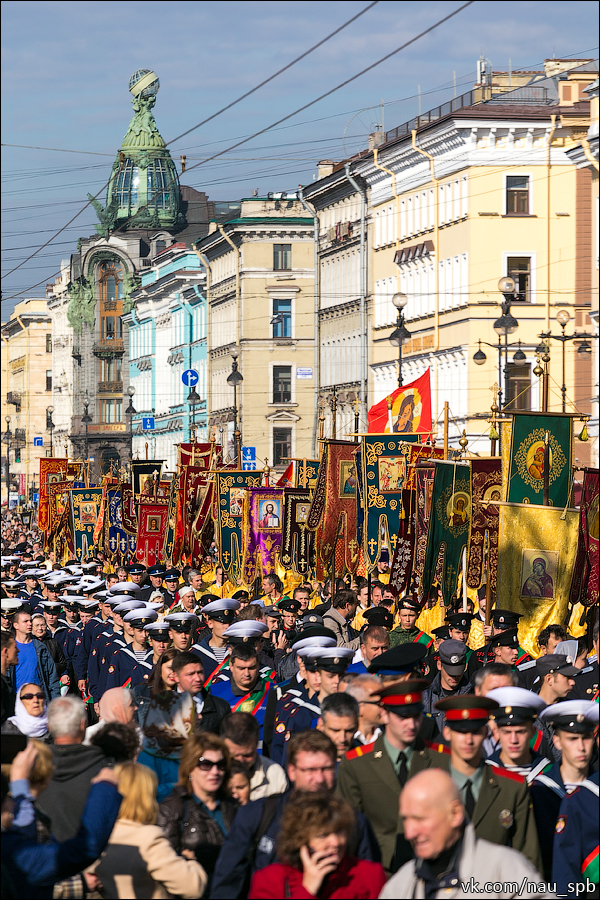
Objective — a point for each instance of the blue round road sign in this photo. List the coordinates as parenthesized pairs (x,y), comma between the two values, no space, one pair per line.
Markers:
(190,377)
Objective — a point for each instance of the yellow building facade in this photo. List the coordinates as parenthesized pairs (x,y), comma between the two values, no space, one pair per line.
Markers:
(260,298)
(464,195)
(27,392)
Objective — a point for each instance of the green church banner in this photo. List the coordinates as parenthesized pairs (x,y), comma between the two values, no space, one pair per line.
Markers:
(449,524)
(230,499)
(526,472)
(384,464)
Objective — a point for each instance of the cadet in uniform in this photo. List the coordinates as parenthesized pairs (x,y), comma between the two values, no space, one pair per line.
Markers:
(157,634)
(371,777)
(125,659)
(212,649)
(171,582)
(450,681)
(573,736)
(300,711)
(502,620)
(407,632)
(497,801)
(459,629)
(107,644)
(519,739)
(181,629)
(576,839)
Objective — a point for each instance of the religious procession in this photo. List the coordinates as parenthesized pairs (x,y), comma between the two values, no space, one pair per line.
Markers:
(377,676)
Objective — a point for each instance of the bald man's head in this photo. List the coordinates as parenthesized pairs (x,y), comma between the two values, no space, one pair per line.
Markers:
(432,813)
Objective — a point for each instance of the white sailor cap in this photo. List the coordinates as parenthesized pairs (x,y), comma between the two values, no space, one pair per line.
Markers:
(157,630)
(88,603)
(12,584)
(125,587)
(575,716)
(332,659)
(91,586)
(51,606)
(74,570)
(10,606)
(517,705)
(223,610)
(127,605)
(142,616)
(101,595)
(313,643)
(244,632)
(181,621)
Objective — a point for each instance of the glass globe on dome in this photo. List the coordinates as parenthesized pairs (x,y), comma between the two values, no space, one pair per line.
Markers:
(149,87)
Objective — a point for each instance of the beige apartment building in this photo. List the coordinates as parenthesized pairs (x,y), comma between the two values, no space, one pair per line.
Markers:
(481,187)
(260,296)
(26,393)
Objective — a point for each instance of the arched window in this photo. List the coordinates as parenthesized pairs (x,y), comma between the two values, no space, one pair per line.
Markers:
(110,280)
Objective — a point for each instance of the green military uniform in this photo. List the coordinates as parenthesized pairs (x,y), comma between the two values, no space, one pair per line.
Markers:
(368,781)
(401,636)
(503,812)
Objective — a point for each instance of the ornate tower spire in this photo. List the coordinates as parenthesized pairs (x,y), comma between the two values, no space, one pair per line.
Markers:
(143,191)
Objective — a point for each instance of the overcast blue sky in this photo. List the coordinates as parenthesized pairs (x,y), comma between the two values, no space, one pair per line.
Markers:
(65,68)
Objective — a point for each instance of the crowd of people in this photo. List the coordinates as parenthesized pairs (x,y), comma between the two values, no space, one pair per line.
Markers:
(165,734)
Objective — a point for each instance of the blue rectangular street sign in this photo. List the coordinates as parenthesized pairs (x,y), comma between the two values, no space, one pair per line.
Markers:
(36,497)
(248,454)
(148,423)
(38,442)
(249,466)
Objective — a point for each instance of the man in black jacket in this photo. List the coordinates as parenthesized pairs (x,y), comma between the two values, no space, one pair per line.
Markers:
(210,710)
(250,844)
(75,765)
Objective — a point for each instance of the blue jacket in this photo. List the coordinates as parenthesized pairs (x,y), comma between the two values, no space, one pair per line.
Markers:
(576,837)
(234,865)
(46,670)
(34,868)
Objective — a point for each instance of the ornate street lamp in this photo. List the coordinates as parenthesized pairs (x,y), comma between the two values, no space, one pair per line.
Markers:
(234,379)
(400,335)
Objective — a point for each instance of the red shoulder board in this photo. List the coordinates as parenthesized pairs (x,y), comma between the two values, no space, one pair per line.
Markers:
(438,748)
(360,751)
(514,776)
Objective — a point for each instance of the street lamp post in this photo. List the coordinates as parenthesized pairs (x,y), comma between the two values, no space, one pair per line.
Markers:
(400,335)
(130,411)
(193,398)
(6,440)
(234,379)
(86,419)
(506,324)
(563,318)
(50,426)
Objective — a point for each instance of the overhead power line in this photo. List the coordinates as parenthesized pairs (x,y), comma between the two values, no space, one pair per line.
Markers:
(218,113)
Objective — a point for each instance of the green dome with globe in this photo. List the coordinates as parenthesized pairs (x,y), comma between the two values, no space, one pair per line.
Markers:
(143,191)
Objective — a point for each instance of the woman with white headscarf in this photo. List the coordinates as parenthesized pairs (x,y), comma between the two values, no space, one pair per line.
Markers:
(30,716)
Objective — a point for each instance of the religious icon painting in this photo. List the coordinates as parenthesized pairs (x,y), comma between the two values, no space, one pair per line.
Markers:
(153,524)
(270,514)
(392,473)
(302,513)
(236,501)
(87,513)
(458,509)
(538,573)
(347,479)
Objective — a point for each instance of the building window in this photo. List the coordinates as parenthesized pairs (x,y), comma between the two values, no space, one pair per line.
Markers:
(517,195)
(111,411)
(48,343)
(111,328)
(519,268)
(127,184)
(112,369)
(282,256)
(282,384)
(48,379)
(282,446)
(282,310)
(518,386)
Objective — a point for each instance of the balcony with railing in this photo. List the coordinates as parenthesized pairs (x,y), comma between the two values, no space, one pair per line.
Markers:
(110,387)
(14,398)
(104,348)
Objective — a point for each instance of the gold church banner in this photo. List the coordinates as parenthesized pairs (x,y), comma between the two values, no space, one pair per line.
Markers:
(535,565)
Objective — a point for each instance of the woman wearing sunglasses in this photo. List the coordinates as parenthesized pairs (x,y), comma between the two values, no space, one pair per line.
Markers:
(30,716)
(198,814)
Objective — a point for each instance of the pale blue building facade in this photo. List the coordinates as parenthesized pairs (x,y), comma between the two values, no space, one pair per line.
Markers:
(168,335)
